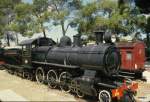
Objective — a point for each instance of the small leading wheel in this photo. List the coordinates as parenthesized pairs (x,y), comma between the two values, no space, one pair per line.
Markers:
(80,94)
(104,96)
(65,81)
(26,75)
(52,78)
(39,74)
(11,72)
(16,73)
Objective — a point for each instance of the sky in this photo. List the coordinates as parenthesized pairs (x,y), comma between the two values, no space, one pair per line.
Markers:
(27,1)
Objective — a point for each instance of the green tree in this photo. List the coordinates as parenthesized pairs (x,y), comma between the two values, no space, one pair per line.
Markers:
(21,20)
(40,11)
(23,17)
(89,17)
(110,15)
(85,18)
(7,15)
(62,10)
(144,5)
(120,18)
(147,29)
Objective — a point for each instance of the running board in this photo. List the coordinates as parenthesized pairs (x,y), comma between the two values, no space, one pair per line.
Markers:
(124,76)
(57,65)
(123,72)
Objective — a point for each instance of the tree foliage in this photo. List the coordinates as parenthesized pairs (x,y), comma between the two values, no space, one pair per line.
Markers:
(144,5)
(86,18)
(62,9)
(118,17)
(7,16)
(41,14)
(23,17)
(6,12)
(147,27)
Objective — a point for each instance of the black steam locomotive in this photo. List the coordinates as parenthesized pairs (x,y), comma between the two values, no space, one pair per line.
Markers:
(86,70)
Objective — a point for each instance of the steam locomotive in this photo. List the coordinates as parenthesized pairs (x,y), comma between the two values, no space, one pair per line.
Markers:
(85,70)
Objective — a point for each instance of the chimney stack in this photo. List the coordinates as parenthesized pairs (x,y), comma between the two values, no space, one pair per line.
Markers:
(99,36)
(77,40)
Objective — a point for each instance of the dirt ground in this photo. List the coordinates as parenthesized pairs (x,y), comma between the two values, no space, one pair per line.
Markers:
(31,90)
(34,92)
(143,93)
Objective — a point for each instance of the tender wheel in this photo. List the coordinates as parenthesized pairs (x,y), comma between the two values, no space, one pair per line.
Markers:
(39,74)
(65,81)
(52,78)
(104,96)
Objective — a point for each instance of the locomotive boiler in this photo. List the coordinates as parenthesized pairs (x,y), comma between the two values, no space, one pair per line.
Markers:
(101,57)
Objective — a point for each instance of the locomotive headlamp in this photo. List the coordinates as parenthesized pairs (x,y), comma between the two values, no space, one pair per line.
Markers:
(26,61)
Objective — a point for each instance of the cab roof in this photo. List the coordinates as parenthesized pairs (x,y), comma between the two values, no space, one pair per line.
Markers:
(37,40)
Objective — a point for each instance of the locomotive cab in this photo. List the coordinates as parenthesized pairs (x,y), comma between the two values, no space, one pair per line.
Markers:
(30,46)
(26,54)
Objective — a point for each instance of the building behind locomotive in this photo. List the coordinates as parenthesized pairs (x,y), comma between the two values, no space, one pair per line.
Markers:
(132,57)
